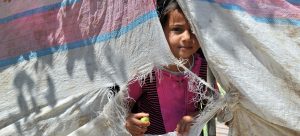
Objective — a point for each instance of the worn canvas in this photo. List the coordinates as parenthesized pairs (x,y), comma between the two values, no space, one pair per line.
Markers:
(60,61)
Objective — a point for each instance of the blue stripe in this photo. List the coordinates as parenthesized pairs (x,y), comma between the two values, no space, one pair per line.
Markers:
(211,1)
(277,21)
(296,2)
(38,10)
(86,42)
(267,20)
(231,7)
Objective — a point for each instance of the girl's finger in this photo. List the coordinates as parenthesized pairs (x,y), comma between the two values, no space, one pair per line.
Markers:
(140,115)
(187,127)
(179,127)
(182,128)
(137,129)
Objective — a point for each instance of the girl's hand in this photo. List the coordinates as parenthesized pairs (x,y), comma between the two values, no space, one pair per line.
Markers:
(184,125)
(134,126)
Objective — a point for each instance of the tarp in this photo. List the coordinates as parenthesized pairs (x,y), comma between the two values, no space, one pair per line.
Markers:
(253,49)
(58,58)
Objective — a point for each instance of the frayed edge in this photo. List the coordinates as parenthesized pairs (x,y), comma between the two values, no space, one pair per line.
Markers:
(197,85)
(207,114)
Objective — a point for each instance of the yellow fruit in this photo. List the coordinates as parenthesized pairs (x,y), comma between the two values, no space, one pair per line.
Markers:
(145,119)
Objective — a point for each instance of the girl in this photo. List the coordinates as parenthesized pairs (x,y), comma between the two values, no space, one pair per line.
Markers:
(166,100)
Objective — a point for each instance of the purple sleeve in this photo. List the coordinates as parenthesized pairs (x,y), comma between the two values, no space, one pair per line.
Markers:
(135,90)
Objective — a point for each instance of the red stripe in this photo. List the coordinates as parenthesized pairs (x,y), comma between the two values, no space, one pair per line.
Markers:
(65,25)
(18,6)
(267,8)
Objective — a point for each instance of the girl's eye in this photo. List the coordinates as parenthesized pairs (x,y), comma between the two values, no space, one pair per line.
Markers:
(177,30)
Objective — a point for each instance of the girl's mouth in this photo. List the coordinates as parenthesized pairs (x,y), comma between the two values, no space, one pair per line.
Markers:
(185,47)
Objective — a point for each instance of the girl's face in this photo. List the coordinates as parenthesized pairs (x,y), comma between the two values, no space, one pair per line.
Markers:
(182,41)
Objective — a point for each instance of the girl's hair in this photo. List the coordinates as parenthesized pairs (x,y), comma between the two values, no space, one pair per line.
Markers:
(164,7)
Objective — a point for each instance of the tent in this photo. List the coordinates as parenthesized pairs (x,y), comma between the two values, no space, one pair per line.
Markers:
(58,59)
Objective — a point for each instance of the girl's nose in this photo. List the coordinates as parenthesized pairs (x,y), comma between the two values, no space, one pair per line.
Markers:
(186,36)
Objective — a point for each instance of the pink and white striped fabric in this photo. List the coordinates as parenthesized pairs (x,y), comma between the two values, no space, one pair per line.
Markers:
(253,49)
(58,56)
(37,31)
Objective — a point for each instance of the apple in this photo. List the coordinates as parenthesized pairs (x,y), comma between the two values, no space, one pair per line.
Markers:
(145,119)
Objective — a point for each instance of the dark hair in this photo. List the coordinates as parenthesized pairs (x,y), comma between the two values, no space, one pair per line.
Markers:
(164,7)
